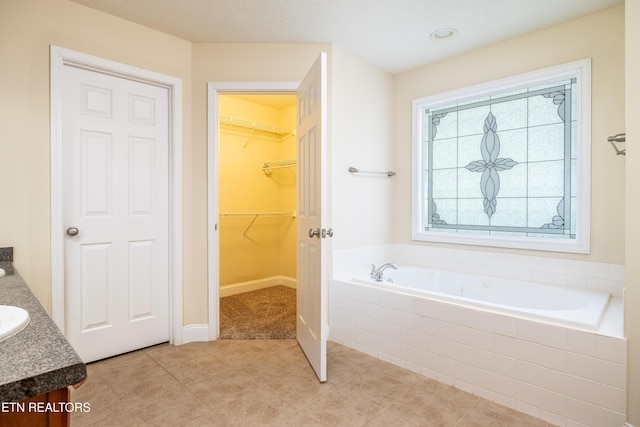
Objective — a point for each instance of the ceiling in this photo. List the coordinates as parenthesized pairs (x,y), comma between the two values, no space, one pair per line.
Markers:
(391,34)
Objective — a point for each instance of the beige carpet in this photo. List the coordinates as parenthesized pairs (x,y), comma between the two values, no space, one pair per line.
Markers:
(268,313)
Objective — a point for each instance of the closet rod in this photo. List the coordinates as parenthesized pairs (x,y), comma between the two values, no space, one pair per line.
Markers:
(280,164)
(283,163)
(261,214)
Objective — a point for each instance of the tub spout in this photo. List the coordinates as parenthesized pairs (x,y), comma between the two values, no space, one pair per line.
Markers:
(376,274)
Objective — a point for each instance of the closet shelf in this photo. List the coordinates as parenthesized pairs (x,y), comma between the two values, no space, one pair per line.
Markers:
(267,167)
(255,216)
(255,126)
(260,214)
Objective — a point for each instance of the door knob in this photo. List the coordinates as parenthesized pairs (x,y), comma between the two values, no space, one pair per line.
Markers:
(72,231)
(314,233)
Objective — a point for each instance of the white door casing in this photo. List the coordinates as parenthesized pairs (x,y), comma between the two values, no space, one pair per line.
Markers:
(312,250)
(116,176)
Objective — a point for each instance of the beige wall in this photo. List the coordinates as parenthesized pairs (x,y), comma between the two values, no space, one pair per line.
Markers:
(256,248)
(632,296)
(599,37)
(27,29)
(362,136)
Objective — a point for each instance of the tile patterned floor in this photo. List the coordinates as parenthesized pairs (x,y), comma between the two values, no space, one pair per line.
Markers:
(269,383)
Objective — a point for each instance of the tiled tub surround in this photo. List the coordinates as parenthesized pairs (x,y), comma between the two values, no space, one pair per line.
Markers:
(567,376)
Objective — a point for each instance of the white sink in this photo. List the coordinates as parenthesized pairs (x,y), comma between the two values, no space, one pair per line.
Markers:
(12,320)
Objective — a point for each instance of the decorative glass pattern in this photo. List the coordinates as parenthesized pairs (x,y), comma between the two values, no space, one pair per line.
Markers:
(503,164)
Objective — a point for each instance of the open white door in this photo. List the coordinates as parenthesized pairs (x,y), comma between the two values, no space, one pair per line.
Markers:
(312,244)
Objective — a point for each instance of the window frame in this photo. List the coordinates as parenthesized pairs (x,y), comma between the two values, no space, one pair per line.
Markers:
(581,71)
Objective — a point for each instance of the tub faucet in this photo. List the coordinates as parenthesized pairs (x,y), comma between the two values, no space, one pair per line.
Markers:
(376,273)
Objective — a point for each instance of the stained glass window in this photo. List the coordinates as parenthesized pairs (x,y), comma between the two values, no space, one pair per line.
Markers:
(505,165)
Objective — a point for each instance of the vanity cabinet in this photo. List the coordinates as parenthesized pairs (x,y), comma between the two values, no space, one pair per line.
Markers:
(37,364)
(39,411)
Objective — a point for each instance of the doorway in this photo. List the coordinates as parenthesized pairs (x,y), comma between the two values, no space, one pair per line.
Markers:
(256,219)
(312,240)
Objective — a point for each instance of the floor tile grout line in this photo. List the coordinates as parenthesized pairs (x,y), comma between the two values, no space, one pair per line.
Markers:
(471,408)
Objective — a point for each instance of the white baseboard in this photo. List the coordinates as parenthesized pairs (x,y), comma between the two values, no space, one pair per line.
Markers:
(195,333)
(253,285)
(627,424)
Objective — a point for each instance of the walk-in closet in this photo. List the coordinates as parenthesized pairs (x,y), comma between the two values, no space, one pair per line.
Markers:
(257,224)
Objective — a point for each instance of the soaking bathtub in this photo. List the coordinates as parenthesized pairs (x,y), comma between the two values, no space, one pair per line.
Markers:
(573,307)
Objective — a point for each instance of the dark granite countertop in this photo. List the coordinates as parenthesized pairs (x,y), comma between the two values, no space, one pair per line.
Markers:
(37,359)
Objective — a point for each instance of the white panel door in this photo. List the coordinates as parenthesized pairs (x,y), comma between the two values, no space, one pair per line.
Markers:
(312,245)
(115,184)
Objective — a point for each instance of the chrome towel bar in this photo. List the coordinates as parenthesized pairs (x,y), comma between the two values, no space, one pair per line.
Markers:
(354,170)
(621,137)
